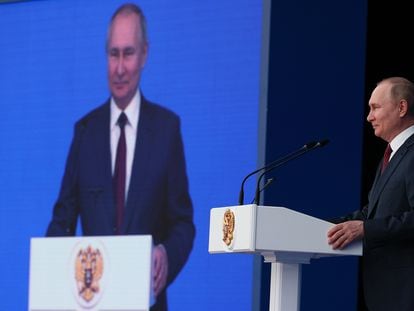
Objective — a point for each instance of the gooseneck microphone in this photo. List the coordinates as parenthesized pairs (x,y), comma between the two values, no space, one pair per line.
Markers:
(306,148)
(276,163)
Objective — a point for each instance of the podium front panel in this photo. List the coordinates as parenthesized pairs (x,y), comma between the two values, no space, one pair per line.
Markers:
(232,229)
(90,273)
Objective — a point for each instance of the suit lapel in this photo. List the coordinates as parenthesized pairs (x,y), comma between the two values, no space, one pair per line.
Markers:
(103,142)
(106,156)
(139,165)
(382,179)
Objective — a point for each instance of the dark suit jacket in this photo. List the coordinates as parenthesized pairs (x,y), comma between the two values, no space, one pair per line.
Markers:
(388,255)
(158,201)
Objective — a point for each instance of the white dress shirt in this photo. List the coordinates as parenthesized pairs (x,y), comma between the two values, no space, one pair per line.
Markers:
(400,139)
(132,113)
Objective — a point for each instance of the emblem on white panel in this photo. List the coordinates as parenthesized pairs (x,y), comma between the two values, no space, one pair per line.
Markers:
(228,227)
(89,269)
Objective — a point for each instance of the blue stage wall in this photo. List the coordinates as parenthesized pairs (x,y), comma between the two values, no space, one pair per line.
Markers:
(316,91)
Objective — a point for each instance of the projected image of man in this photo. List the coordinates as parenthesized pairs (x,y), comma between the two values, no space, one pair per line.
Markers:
(126,172)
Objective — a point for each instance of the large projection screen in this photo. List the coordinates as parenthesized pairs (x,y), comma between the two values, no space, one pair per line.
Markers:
(204,64)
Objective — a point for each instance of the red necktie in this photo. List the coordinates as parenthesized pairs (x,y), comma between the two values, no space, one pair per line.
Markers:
(386,159)
(119,177)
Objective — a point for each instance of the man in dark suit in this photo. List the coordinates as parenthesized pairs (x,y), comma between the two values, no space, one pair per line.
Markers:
(126,172)
(386,223)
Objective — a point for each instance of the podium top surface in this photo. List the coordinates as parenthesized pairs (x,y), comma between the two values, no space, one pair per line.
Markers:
(271,229)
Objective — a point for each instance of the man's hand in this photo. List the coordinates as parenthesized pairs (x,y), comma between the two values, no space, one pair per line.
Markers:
(160,262)
(344,233)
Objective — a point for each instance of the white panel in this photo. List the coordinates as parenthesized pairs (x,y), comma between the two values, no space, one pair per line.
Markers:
(125,283)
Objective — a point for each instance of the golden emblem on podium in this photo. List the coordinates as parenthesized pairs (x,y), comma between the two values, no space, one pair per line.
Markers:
(89,267)
(228,227)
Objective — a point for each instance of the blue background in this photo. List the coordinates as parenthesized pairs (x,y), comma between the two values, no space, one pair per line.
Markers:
(316,91)
(207,62)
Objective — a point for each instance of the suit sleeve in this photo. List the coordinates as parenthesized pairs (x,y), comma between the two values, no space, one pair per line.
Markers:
(65,210)
(398,199)
(181,229)
(356,215)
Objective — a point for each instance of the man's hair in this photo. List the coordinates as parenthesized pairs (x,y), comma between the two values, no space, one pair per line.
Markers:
(401,89)
(128,9)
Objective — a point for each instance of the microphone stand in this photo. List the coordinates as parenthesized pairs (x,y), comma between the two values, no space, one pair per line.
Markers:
(306,148)
(271,164)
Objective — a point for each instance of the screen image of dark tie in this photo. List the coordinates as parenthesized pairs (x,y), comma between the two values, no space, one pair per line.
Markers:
(119,177)
(386,158)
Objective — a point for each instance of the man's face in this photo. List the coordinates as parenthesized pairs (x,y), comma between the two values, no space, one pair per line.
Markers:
(126,54)
(385,113)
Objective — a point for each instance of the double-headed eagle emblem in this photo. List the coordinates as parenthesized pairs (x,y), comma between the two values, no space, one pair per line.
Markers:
(88,271)
(228,227)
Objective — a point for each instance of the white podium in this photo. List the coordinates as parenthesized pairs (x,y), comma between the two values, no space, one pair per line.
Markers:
(91,273)
(285,238)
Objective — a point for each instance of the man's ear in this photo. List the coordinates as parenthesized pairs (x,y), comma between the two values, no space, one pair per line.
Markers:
(403,107)
(145,54)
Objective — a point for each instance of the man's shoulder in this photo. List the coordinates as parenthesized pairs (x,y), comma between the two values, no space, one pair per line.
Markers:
(157,109)
(98,114)
(157,112)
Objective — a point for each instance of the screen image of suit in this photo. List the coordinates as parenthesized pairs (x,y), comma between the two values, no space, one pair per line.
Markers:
(158,201)
(388,258)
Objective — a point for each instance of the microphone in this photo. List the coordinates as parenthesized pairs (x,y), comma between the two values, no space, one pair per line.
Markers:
(241,194)
(306,148)
(267,183)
